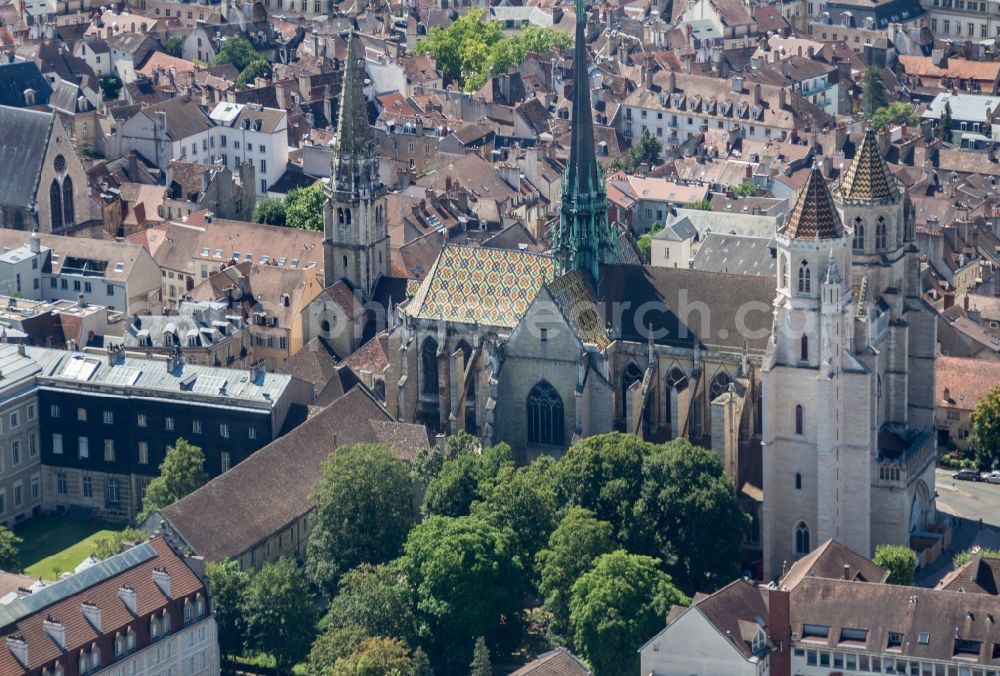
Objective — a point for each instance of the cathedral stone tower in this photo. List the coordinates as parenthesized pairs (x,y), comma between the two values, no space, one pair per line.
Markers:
(583,239)
(356,240)
(816,450)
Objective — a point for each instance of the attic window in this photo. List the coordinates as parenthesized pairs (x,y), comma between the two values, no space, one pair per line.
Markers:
(248,257)
(853,635)
(295,262)
(815,631)
(968,647)
(204,251)
(264,259)
(895,640)
(119,266)
(996,651)
(281,261)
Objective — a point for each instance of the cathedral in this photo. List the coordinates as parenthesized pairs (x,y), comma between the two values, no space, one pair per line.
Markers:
(815,387)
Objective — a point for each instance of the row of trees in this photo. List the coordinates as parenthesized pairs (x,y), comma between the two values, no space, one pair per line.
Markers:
(589,551)
(472,49)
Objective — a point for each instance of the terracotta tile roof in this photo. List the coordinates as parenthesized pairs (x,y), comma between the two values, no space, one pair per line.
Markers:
(558,662)
(868,179)
(814,216)
(923,66)
(479,284)
(828,561)
(133,568)
(371,356)
(966,381)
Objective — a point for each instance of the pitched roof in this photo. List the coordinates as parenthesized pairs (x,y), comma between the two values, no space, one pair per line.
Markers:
(572,294)
(24,135)
(558,662)
(479,284)
(829,561)
(814,216)
(16,77)
(965,381)
(727,608)
(273,487)
(868,179)
(978,576)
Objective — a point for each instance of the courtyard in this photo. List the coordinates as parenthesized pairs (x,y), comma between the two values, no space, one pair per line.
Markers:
(53,545)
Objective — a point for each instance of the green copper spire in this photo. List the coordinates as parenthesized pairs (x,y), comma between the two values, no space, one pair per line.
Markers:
(353,169)
(583,239)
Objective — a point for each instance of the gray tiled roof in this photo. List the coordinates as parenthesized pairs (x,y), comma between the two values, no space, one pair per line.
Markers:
(24,136)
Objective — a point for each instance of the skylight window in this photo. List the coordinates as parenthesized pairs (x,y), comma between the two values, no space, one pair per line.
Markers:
(218,253)
(204,251)
(249,257)
(119,266)
(923,638)
(265,258)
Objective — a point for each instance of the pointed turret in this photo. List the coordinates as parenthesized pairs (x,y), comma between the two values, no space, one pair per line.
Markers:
(814,216)
(868,179)
(353,168)
(583,239)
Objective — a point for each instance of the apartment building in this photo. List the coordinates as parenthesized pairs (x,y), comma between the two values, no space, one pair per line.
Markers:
(251,133)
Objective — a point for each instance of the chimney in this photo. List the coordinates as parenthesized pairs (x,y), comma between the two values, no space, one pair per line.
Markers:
(965,302)
(56,631)
(672,83)
(738,84)
(937,57)
(18,647)
(127,595)
(162,579)
(780,630)
(206,180)
(92,614)
(80,300)
(756,94)
(847,571)
(782,98)
(285,300)
(35,243)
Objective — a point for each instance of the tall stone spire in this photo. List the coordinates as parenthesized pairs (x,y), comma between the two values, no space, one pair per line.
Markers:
(868,179)
(814,215)
(583,239)
(353,168)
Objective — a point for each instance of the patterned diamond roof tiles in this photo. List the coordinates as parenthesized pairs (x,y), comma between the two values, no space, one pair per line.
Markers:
(485,285)
(814,216)
(868,179)
(573,295)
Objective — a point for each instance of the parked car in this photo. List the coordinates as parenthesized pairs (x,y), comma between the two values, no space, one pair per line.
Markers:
(967,475)
(992,477)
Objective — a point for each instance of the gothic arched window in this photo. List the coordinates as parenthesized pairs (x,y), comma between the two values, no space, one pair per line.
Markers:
(802,538)
(55,205)
(805,278)
(67,199)
(677,379)
(859,233)
(798,481)
(798,419)
(880,233)
(429,367)
(470,395)
(631,376)
(347,216)
(719,385)
(545,415)
(340,216)
(804,348)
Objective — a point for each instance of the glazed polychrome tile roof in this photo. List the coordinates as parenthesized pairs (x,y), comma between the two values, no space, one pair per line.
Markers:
(576,301)
(485,285)
(868,178)
(814,216)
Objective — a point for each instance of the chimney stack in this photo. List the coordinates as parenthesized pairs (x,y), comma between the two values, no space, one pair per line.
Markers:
(92,614)
(56,631)
(127,595)
(35,244)
(162,579)
(847,571)
(18,647)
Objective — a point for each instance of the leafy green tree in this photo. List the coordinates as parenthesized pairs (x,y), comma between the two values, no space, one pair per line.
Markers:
(645,240)
(647,150)
(304,208)
(985,440)
(10,559)
(236,51)
(481,659)
(874,91)
(427,465)
(270,210)
(107,546)
(690,517)
(174,45)
(572,548)
(603,473)
(701,205)
(111,86)
(280,614)
(226,582)
(259,67)
(181,472)
(363,512)
(616,607)
(377,656)
(456,485)
(522,504)
(944,126)
(376,599)
(900,561)
(332,645)
(964,556)
(744,189)
(465,583)
(895,112)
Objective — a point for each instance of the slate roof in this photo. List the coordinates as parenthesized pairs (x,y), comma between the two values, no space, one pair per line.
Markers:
(24,136)
(868,179)
(978,576)
(273,487)
(814,216)
(736,255)
(18,76)
(479,284)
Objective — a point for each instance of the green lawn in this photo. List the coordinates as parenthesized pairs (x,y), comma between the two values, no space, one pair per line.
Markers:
(53,546)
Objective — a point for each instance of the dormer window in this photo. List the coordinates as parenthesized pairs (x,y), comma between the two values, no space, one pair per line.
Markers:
(187,611)
(154,628)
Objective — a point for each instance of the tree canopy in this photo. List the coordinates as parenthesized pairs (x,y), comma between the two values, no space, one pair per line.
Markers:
(304,208)
(181,472)
(111,86)
(174,45)
(9,554)
(472,48)
(986,430)
(237,51)
(227,582)
(363,512)
(900,561)
(375,599)
(259,67)
(279,613)
(616,607)
(465,583)
(873,87)
(270,210)
(894,113)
